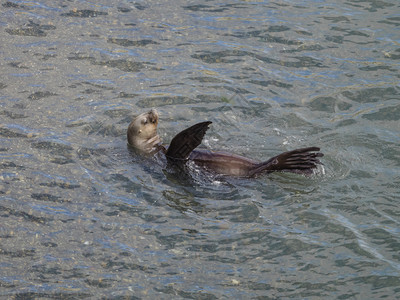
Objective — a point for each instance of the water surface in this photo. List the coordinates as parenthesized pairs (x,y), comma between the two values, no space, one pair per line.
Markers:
(81,217)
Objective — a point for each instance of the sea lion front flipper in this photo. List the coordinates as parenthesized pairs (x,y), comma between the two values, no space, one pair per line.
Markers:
(186,141)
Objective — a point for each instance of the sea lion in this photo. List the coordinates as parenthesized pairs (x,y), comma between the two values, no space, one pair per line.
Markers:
(142,136)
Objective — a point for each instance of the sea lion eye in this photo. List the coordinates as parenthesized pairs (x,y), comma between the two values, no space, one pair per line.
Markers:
(144,122)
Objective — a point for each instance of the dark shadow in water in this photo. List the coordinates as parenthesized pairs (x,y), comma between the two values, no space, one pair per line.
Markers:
(204,8)
(84,13)
(174,291)
(235,56)
(125,65)
(31,29)
(36,295)
(6,212)
(130,43)
(385,114)
(188,183)
(372,94)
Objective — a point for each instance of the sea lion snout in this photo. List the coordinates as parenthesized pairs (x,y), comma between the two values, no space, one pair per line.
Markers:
(153,116)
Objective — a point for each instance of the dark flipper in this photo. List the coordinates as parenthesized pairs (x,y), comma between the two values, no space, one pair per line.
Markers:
(186,141)
(301,161)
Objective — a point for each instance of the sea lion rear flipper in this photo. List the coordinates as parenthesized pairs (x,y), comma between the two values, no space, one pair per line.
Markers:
(300,161)
(186,141)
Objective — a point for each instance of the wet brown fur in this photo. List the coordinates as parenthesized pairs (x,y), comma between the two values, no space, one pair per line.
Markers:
(142,135)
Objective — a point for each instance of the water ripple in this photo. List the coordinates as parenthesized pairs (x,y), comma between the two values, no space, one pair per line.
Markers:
(361,238)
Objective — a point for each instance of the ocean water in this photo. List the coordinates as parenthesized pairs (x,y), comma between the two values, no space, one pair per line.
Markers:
(81,217)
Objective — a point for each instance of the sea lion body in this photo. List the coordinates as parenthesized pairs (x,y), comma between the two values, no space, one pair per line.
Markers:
(142,135)
(223,163)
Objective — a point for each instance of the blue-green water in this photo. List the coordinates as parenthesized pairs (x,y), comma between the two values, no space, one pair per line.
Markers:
(80,217)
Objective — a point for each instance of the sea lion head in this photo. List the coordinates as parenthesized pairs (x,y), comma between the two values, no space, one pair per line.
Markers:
(142,132)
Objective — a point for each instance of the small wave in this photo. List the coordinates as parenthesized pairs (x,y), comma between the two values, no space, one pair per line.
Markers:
(361,239)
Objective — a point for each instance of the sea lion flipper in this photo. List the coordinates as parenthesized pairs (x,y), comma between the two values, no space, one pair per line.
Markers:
(186,141)
(300,161)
